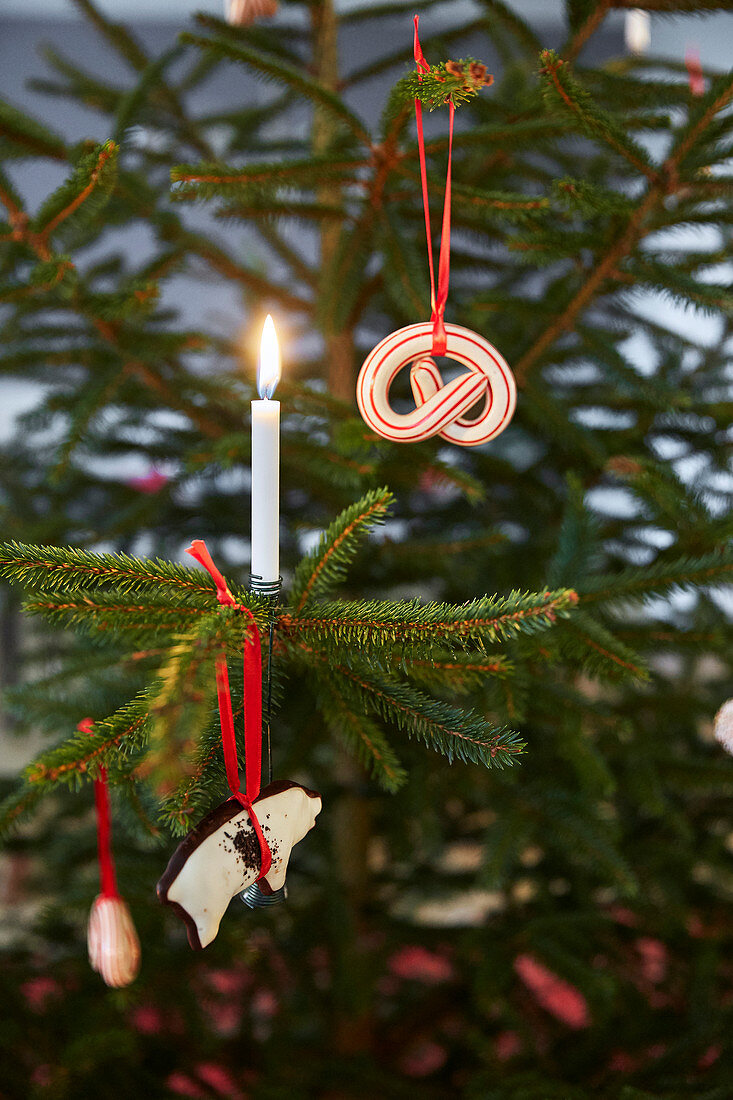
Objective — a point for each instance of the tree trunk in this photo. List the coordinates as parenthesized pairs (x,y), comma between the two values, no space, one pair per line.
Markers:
(339,345)
(350,816)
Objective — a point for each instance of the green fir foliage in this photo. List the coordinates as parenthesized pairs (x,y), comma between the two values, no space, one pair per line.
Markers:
(457,925)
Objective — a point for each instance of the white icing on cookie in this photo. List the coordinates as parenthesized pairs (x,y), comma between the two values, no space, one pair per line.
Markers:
(221,857)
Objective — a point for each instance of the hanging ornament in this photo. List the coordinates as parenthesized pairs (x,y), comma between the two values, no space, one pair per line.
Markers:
(638,31)
(222,856)
(114,948)
(440,409)
(236,846)
(723,726)
(241,13)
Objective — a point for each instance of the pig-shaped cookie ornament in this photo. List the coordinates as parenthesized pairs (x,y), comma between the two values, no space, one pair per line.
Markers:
(221,857)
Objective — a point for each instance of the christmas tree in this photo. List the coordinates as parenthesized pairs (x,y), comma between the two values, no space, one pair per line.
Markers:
(498,665)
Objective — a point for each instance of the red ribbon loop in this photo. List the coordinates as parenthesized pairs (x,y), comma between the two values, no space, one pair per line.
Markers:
(107,876)
(438,298)
(199,551)
(252,707)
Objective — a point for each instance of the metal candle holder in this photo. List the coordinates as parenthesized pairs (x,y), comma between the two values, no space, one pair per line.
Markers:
(269,590)
(255,899)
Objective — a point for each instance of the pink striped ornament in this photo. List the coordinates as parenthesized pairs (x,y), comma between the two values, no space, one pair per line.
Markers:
(723,726)
(240,13)
(114,949)
(439,408)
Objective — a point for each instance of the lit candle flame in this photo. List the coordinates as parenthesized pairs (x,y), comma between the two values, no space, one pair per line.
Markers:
(268,368)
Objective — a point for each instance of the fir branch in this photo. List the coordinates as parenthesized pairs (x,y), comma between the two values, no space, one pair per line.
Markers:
(584,640)
(20,230)
(502,15)
(275,68)
(116,34)
(342,284)
(505,137)
(138,808)
(681,288)
(637,226)
(17,807)
(634,230)
(98,396)
(103,613)
(365,739)
(12,202)
(201,181)
(697,778)
(295,210)
(427,552)
(478,199)
(138,98)
(587,28)
(592,120)
(282,247)
(82,755)
(666,576)
(124,43)
(94,176)
(94,92)
(326,566)
(460,675)
(672,6)
(590,198)
(181,700)
(408,622)
(578,540)
(220,260)
(455,733)
(26,135)
(447,82)
(403,274)
(718,97)
(182,806)
(452,732)
(49,568)
(569,822)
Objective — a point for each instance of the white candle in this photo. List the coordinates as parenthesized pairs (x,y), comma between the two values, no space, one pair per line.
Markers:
(637,31)
(266,461)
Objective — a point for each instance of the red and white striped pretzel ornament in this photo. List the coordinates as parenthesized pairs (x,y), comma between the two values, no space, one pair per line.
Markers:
(440,408)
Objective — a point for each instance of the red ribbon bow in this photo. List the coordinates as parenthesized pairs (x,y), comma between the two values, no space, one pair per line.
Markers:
(437,299)
(252,708)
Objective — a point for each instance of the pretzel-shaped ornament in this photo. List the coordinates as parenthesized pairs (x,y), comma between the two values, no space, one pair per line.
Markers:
(440,408)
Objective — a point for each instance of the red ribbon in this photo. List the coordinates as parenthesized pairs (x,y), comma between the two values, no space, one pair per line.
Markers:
(252,707)
(437,299)
(107,876)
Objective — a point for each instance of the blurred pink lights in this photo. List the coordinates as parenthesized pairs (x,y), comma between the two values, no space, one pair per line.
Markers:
(556,996)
